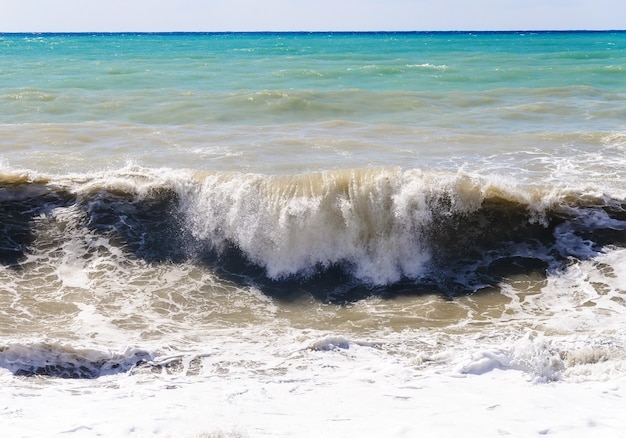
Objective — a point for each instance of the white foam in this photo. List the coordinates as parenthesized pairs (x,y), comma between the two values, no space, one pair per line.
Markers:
(338,392)
(534,355)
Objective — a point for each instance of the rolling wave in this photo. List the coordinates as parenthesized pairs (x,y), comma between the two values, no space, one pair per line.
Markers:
(374,229)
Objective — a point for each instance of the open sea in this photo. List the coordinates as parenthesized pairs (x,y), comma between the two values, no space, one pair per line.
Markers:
(313,234)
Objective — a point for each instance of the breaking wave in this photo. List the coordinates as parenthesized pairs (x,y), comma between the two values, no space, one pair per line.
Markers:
(375,228)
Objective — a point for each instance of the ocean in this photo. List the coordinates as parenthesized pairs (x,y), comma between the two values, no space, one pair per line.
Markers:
(313,234)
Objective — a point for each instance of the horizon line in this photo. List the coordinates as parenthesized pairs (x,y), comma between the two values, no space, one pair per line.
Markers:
(210,32)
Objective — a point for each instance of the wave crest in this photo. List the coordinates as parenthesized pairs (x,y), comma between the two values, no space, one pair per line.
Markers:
(378,226)
(371,220)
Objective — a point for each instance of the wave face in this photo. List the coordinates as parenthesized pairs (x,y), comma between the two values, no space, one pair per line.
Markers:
(367,228)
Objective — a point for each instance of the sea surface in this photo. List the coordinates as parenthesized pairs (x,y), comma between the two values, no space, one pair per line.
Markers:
(254,234)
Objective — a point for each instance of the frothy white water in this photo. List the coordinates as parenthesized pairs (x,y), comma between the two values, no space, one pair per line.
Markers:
(349,390)
(371,220)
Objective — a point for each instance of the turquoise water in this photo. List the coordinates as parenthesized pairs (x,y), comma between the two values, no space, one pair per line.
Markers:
(291,103)
(78,77)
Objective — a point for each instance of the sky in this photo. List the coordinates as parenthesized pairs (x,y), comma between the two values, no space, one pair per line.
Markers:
(303,15)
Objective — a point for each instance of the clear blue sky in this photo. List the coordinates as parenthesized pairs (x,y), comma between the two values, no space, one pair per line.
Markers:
(283,15)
